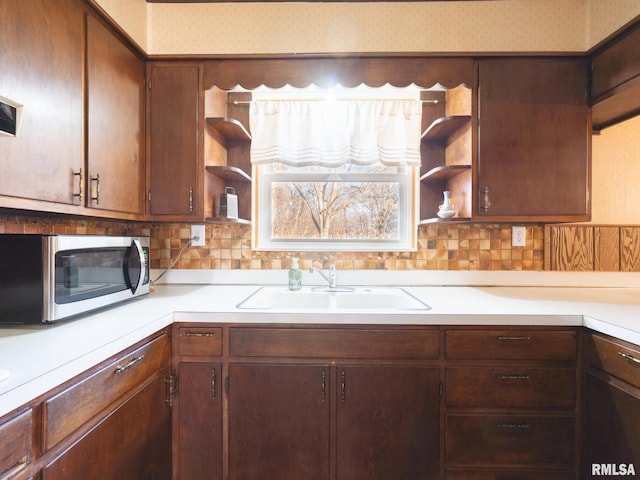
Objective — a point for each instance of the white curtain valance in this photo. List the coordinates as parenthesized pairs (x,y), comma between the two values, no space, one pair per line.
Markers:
(362,132)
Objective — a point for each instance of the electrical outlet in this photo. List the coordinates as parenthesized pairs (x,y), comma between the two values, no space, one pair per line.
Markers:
(518,236)
(197,236)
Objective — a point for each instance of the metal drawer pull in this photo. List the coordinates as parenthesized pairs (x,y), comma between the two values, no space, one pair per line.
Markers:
(519,426)
(194,334)
(80,180)
(97,190)
(20,464)
(506,378)
(128,365)
(487,201)
(629,357)
(523,338)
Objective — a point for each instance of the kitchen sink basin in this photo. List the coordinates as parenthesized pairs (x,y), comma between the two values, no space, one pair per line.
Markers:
(360,298)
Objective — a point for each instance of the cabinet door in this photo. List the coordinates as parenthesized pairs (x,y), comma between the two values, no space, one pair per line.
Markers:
(42,60)
(534,140)
(133,443)
(279,422)
(388,423)
(115,114)
(612,423)
(173,134)
(199,421)
(16,444)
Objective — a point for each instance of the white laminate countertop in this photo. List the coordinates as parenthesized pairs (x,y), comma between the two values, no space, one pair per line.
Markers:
(41,357)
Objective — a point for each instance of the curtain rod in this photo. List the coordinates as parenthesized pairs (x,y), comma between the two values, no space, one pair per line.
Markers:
(247,102)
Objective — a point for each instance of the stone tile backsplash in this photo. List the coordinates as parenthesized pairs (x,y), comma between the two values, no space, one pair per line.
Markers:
(451,246)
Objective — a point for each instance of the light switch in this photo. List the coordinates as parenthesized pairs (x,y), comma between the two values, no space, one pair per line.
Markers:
(518,236)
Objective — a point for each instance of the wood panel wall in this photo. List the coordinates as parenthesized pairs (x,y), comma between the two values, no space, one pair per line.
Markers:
(600,248)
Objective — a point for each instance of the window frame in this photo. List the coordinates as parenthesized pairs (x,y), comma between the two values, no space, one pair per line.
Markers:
(408,215)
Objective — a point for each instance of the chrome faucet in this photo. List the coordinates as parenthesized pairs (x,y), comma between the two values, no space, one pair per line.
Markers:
(332,279)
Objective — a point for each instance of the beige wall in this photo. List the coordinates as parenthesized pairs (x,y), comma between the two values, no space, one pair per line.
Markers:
(339,27)
(616,174)
(131,15)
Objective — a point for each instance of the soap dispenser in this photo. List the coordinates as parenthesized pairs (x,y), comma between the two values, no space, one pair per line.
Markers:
(295,275)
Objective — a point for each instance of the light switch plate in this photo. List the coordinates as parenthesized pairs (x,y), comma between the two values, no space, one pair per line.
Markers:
(197,236)
(518,236)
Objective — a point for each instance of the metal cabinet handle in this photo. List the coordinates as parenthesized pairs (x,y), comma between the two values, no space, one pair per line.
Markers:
(506,378)
(96,179)
(520,338)
(191,199)
(323,385)
(343,385)
(487,201)
(20,464)
(133,361)
(631,358)
(196,334)
(80,176)
(512,426)
(170,390)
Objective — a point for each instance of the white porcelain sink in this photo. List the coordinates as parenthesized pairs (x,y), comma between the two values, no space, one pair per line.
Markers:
(360,298)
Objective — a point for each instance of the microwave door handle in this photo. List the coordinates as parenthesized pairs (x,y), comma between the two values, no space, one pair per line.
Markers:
(143,267)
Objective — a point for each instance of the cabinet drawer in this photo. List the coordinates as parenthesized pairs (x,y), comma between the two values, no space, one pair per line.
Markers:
(333,342)
(622,361)
(199,341)
(76,405)
(509,475)
(16,441)
(511,387)
(503,440)
(510,345)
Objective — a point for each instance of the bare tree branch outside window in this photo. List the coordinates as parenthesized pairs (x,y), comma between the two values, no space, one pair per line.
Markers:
(335,210)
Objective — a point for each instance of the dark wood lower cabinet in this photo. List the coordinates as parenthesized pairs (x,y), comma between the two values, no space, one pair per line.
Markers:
(198,423)
(385,423)
(388,423)
(510,440)
(132,443)
(612,427)
(279,422)
(508,475)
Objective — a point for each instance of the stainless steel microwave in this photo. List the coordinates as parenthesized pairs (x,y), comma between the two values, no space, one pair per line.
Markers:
(45,278)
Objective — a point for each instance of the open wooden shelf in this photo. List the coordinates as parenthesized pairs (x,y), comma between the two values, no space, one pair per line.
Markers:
(443,173)
(228,174)
(445,220)
(227,220)
(229,128)
(443,127)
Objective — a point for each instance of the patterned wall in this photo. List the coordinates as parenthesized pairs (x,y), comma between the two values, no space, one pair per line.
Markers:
(228,247)
(319,27)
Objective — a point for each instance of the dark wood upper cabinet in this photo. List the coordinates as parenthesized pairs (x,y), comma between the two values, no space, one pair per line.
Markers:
(42,62)
(534,140)
(175,112)
(115,128)
(615,80)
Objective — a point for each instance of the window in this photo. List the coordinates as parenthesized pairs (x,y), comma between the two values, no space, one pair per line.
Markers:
(336,175)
